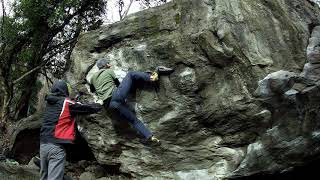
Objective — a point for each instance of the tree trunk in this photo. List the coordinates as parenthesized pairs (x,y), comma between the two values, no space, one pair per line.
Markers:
(5,113)
(24,100)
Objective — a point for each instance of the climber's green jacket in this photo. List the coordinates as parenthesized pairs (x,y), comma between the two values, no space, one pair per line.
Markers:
(104,82)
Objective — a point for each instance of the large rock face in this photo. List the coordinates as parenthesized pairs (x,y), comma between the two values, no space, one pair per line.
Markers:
(213,120)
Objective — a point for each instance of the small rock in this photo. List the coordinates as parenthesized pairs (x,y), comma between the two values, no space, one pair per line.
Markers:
(87,176)
(83,164)
(33,164)
(104,178)
(12,162)
(97,170)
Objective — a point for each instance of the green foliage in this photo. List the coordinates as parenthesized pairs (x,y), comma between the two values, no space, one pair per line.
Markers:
(11,29)
(37,38)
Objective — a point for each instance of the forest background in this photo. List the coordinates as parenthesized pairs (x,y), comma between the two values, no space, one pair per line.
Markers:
(37,38)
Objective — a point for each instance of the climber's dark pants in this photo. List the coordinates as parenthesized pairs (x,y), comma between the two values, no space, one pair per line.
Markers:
(119,96)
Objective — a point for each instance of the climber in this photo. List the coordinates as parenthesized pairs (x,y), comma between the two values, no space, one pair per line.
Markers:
(58,129)
(114,94)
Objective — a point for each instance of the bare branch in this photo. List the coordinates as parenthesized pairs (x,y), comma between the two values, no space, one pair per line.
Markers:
(120,8)
(2,25)
(70,17)
(127,10)
(48,58)
(66,43)
(27,73)
(31,71)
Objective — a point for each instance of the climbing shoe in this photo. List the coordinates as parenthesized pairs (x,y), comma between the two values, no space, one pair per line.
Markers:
(153,141)
(154,76)
(162,70)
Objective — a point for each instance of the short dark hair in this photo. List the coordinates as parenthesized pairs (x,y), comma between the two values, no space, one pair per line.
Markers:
(102,63)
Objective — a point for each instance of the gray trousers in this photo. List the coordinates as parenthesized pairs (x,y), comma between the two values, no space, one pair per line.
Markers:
(52,161)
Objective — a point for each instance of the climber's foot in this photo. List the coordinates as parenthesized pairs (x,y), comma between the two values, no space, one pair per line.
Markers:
(153,141)
(154,76)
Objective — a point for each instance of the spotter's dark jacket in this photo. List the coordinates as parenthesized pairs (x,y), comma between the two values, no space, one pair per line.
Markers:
(58,119)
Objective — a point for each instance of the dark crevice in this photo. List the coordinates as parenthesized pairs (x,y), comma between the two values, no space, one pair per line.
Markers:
(311,2)
(311,26)
(215,34)
(105,44)
(26,146)
(190,65)
(79,151)
(298,172)
(114,170)
(89,69)
(205,53)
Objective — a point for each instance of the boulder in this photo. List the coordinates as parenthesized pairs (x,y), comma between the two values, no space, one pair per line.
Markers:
(214,118)
(242,101)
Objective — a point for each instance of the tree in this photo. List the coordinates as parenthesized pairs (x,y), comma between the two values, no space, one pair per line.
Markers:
(38,38)
(125,5)
(152,3)
(123,11)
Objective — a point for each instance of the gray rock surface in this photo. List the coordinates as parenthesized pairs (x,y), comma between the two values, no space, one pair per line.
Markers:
(12,171)
(212,118)
(243,98)
(293,100)
(87,176)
